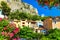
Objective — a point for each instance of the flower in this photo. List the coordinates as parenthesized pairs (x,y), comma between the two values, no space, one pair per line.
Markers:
(14,38)
(3,33)
(0,19)
(11,35)
(16,30)
(19,39)
(56,4)
(5,28)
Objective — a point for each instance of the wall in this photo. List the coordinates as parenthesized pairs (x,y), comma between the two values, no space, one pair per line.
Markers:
(47,24)
(56,25)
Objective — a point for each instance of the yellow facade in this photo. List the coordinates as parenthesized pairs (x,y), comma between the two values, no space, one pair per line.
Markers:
(56,25)
(2,0)
(22,23)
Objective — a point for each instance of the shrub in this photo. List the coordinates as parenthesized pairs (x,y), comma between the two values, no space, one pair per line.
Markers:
(8,30)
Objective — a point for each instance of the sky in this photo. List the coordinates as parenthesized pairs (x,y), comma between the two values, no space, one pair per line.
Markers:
(45,11)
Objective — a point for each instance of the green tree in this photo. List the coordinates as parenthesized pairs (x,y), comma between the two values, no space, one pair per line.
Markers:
(45,38)
(5,8)
(26,32)
(45,17)
(29,16)
(35,17)
(49,3)
(54,34)
(23,15)
(14,15)
(3,24)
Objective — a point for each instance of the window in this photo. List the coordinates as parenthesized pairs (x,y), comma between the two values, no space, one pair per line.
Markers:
(36,30)
(16,0)
(40,26)
(55,22)
(23,22)
(8,0)
(23,25)
(28,22)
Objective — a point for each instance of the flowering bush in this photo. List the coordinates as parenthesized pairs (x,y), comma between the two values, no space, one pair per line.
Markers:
(3,23)
(8,30)
(49,3)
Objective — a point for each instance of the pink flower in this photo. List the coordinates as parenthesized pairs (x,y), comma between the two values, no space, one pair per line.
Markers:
(0,19)
(16,30)
(5,28)
(11,35)
(3,33)
(18,38)
(15,39)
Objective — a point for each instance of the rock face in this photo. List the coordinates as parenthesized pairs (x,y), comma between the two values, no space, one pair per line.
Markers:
(23,7)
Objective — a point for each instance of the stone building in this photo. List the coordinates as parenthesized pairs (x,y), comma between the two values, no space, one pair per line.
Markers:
(52,23)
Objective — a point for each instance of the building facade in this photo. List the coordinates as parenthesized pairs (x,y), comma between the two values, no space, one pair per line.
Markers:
(52,23)
(29,23)
(56,23)
(47,23)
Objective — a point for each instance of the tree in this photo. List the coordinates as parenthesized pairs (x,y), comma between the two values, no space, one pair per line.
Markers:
(49,3)
(54,34)
(29,16)
(14,15)
(21,15)
(45,38)
(35,17)
(26,32)
(45,17)
(5,8)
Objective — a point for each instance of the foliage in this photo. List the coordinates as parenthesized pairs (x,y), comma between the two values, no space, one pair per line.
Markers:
(49,3)
(35,17)
(54,34)
(3,23)
(5,8)
(3,38)
(43,18)
(21,15)
(8,30)
(26,32)
(45,38)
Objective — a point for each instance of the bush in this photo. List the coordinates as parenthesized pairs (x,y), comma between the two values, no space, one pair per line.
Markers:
(8,30)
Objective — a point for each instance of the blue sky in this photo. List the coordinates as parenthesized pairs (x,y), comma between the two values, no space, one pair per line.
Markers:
(44,10)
